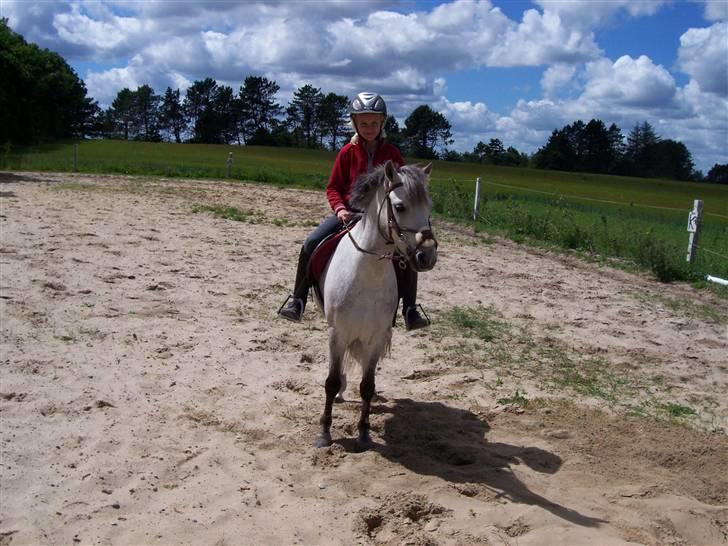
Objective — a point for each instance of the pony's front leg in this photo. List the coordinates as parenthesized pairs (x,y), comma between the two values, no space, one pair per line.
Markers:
(366,389)
(333,385)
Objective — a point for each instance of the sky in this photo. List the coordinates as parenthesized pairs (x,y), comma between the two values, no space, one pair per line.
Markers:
(508,69)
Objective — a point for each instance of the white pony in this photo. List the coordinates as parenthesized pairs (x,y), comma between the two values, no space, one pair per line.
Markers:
(359,285)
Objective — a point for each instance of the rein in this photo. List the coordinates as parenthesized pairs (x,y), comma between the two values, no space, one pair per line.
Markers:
(392,224)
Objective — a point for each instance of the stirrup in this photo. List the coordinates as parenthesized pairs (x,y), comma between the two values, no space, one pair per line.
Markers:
(291,312)
(423,322)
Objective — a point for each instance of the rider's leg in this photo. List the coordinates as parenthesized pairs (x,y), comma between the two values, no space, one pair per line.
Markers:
(297,302)
(407,285)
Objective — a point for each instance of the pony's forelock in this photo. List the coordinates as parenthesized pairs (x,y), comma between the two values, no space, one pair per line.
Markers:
(413,178)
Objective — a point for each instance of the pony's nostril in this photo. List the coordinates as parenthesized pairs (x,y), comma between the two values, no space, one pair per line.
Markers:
(421,259)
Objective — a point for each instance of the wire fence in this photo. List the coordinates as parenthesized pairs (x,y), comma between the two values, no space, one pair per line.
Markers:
(713,252)
(579,197)
(617,230)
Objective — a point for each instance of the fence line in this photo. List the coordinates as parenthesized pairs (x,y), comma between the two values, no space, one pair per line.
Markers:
(522,188)
(702,249)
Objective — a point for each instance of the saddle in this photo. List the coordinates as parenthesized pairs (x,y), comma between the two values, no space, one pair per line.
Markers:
(320,257)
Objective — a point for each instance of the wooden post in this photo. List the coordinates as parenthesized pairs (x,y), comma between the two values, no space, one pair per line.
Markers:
(694,220)
(229,163)
(476,205)
(75,158)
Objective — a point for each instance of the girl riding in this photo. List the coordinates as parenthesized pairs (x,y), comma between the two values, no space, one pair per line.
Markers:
(366,150)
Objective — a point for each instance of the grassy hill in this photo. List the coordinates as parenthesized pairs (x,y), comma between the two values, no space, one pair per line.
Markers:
(640,221)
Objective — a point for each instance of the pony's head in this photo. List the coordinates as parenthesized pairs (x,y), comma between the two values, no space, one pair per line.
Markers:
(402,209)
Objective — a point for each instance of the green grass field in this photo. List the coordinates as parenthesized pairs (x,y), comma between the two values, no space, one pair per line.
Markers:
(639,222)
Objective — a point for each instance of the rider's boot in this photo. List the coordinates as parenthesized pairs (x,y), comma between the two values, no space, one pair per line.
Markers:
(407,283)
(296,302)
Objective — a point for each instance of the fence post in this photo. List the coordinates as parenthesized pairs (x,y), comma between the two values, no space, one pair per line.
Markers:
(75,158)
(476,205)
(229,163)
(695,218)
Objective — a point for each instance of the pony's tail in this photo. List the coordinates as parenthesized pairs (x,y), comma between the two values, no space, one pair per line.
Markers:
(357,354)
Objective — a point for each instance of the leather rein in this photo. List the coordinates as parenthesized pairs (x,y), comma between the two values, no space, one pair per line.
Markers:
(393,226)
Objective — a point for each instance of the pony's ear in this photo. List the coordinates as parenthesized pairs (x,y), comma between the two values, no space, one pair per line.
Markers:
(428,169)
(390,172)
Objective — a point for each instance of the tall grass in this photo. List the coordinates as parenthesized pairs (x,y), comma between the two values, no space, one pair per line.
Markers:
(651,239)
(638,221)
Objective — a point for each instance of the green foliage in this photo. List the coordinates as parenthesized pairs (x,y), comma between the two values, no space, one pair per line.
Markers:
(472,322)
(718,174)
(678,410)
(650,239)
(425,132)
(517,399)
(41,97)
(229,213)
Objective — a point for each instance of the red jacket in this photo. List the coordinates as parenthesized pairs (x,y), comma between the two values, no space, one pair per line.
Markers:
(352,161)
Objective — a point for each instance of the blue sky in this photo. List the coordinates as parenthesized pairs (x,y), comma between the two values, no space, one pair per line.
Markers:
(508,69)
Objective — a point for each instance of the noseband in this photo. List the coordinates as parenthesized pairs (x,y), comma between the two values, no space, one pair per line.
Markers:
(423,238)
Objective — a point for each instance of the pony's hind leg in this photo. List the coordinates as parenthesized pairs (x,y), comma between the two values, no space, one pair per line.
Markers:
(366,389)
(342,388)
(333,386)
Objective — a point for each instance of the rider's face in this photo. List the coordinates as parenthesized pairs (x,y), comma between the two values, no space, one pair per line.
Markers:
(369,125)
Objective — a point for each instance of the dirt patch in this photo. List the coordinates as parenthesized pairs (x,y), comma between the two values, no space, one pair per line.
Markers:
(150,396)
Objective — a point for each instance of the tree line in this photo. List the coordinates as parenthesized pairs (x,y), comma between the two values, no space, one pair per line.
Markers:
(216,114)
(42,99)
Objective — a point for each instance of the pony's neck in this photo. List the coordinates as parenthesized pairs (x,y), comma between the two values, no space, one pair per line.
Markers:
(367,232)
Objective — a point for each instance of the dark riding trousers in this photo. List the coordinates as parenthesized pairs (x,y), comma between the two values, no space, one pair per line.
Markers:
(328,227)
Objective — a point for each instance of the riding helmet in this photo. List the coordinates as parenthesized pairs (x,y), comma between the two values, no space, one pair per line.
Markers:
(368,103)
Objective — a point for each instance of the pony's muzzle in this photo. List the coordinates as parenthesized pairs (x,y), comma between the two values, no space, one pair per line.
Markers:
(426,251)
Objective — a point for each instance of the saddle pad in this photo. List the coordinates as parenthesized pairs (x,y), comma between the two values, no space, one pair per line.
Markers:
(322,254)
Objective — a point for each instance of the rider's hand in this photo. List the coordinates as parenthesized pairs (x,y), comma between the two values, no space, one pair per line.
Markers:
(344,216)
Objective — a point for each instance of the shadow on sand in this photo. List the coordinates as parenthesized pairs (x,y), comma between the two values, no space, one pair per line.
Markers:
(430,438)
(16,178)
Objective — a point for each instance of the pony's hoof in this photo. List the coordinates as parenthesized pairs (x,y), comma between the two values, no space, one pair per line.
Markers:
(322,440)
(339,399)
(363,442)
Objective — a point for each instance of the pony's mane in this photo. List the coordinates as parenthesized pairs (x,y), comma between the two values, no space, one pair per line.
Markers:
(413,178)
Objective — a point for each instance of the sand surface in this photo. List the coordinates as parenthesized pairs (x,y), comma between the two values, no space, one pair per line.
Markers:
(149,395)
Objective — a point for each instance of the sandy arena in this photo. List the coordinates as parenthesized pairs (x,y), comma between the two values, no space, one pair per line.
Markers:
(149,394)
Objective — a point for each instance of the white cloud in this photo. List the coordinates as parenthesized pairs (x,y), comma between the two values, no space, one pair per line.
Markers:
(97,35)
(541,38)
(629,82)
(703,55)
(597,13)
(467,116)
(715,10)
(107,84)
(556,77)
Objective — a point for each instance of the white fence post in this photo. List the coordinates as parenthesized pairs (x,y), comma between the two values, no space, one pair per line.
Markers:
(75,158)
(694,220)
(717,280)
(229,164)
(476,205)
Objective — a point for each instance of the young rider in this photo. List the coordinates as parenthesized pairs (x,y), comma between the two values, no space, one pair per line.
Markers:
(366,150)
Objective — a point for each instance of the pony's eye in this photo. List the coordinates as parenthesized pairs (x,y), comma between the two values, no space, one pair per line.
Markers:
(399,207)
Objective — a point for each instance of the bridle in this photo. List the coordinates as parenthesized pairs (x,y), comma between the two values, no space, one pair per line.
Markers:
(423,238)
